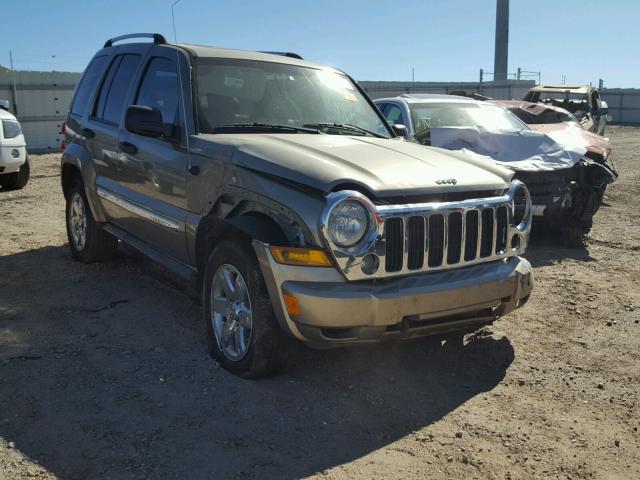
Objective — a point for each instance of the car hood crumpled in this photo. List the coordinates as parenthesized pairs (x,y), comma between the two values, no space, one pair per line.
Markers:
(567,134)
(384,167)
(523,150)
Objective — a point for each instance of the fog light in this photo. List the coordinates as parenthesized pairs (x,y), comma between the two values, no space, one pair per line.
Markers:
(370,264)
(15,153)
(515,242)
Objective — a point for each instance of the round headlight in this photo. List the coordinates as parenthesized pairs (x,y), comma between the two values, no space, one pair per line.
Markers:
(348,223)
(521,205)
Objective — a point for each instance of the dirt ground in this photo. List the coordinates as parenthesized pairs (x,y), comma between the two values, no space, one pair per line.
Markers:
(104,371)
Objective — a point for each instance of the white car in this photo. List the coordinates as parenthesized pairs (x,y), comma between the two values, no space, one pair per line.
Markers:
(14,164)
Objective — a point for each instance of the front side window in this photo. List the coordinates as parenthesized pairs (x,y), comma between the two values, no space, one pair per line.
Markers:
(232,91)
(159,89)
(114,89)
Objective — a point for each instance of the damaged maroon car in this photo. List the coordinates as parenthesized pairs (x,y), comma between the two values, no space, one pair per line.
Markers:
(566,184)
(563,127)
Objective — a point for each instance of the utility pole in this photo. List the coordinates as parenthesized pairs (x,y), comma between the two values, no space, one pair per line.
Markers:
(14,90)
(500,65)
(413,79)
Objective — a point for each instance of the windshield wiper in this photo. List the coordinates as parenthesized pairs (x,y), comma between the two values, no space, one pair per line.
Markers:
(263,126)
(345,126)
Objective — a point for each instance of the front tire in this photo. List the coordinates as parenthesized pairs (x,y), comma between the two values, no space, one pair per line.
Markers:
(243,334)
(88,242)
(17,180)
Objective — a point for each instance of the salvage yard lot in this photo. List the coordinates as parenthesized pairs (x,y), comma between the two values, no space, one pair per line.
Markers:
(104,371)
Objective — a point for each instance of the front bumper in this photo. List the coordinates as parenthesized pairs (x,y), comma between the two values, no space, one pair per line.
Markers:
(9,164)
(335,311)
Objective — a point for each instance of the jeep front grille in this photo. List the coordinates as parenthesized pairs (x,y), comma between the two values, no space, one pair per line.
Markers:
(445,239)
(413,238)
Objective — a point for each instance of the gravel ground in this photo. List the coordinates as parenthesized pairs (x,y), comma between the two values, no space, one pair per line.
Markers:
(104,371)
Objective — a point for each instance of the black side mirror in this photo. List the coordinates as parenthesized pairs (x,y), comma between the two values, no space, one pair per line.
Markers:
(147,121)
(400,130)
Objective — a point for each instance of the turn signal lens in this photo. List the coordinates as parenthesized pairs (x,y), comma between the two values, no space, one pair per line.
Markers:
(293,307)
(307,257)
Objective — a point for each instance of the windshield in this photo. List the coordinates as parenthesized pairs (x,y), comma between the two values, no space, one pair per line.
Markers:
(431,115)
(232,91)
(546,117)
(570,96)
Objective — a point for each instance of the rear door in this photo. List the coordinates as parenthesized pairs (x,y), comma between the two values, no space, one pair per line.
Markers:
(104,124)
(153,170)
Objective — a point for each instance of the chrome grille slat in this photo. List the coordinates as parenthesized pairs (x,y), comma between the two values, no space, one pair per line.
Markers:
(479,240)
(495,230)
(445,241)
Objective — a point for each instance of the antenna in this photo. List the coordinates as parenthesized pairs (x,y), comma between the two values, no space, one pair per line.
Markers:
(183,109)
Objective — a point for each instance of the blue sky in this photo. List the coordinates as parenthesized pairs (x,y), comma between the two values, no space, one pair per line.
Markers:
(584,40)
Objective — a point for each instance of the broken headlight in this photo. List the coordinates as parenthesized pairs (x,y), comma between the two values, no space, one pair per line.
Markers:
(521,206)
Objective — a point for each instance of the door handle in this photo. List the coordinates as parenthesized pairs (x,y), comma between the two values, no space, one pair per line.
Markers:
(129,148)
(194,169)
(87,132)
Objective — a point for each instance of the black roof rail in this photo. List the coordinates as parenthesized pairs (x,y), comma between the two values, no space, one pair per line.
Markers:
(286,54)
(157,38)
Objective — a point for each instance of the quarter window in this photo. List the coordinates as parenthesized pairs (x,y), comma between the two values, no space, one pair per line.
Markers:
(88,81)
(394,116)
(159,89)
(115,87)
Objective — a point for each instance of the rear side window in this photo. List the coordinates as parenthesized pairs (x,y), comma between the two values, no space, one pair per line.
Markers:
(159,89)
(115,87)
(88,81)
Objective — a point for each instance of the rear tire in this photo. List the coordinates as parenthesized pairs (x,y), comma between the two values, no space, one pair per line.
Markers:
(88,242)
(16,180)
(243,334)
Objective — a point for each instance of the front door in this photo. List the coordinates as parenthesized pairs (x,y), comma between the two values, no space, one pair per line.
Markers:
(153,170)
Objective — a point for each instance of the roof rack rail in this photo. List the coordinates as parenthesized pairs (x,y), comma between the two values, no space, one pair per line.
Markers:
(157,38)
(285,54)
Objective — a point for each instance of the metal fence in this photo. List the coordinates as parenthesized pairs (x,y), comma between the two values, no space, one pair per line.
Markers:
(42,99)
(624,104)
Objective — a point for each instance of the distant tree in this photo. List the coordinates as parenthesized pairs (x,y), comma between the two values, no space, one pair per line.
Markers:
(3,69)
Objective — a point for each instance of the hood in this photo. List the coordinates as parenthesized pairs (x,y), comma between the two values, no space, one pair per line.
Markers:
(518,150)
(385,167)
(563,132)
